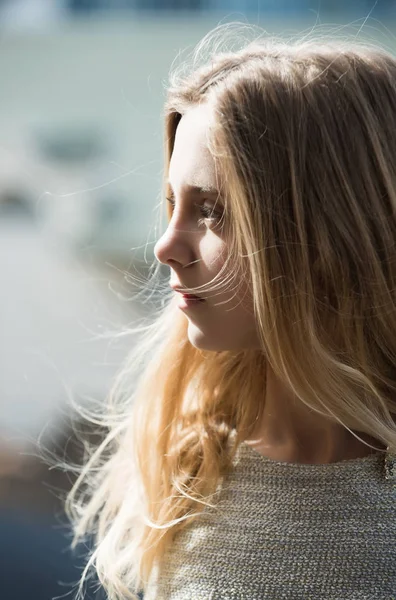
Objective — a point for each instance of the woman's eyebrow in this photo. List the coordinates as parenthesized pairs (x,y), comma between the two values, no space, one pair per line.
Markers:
(197,189)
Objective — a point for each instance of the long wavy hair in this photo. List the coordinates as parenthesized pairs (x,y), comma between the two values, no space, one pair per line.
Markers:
(305,139)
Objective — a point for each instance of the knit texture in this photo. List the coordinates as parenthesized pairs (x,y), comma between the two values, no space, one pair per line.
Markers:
(289,531)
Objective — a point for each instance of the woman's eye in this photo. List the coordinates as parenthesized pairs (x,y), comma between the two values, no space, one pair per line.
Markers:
(206,211)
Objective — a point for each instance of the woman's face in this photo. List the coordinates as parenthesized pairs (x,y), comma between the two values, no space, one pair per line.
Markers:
(195,247)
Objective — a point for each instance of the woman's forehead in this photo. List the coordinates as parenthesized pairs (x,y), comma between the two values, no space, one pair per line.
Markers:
(192,165)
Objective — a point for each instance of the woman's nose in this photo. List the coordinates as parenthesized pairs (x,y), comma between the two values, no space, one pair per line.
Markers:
(173,248)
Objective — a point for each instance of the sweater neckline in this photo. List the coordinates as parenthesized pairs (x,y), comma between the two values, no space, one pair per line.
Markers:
(247,450)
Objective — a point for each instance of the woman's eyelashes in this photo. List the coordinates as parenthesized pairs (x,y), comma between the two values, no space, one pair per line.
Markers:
(209,213)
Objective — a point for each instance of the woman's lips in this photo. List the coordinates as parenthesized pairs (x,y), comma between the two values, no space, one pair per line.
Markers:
(189,300)
(192,297)
(180,291)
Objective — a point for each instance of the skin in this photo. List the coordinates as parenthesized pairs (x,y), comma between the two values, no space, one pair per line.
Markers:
(195,251)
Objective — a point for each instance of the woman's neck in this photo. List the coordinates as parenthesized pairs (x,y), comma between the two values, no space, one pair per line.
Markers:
(289,431)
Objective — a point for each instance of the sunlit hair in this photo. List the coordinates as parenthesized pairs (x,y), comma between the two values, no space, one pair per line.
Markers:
(304,137)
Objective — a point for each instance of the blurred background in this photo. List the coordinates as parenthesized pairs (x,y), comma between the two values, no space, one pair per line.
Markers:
(82,89)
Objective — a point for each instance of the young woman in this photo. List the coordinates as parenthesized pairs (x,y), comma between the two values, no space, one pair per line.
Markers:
(252,451)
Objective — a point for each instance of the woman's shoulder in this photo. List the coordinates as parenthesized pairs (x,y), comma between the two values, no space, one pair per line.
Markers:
(276,524)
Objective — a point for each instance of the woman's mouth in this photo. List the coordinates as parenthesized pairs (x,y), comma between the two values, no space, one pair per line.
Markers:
(189,300)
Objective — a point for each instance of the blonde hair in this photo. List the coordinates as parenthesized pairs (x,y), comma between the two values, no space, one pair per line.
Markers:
(305,140)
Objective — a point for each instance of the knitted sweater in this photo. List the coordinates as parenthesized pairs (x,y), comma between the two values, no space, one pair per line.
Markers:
(289,531)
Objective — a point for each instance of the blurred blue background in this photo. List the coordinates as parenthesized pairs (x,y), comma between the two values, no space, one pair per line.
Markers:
(82,90)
